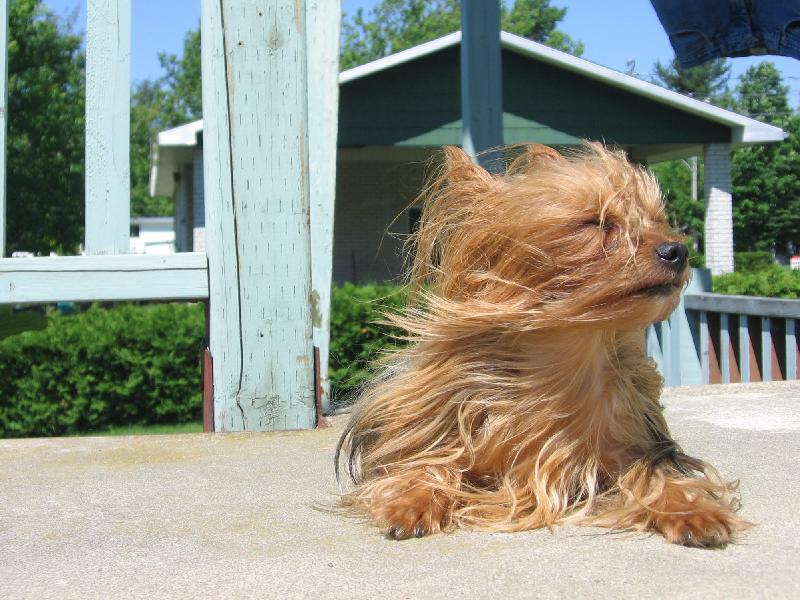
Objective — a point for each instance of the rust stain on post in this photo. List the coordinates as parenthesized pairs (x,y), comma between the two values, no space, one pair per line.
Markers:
(299,13)
(322,422)
(208,392)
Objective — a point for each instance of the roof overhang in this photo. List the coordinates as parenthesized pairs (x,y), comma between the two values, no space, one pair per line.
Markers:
(173,149)
(175,146)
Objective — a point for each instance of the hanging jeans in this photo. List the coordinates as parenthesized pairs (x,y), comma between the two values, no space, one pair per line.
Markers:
(701,30)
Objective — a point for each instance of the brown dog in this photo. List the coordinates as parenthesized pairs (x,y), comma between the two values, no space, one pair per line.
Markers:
(525,398)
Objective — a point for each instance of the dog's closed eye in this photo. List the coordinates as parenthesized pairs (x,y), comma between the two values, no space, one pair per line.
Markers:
(605,225)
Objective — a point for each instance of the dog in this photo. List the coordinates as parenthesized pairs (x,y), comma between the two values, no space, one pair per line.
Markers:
(525,398)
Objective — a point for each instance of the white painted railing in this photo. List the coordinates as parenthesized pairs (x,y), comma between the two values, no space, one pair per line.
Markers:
(267,288)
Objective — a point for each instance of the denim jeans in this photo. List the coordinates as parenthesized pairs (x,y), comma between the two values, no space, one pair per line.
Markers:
(701,30)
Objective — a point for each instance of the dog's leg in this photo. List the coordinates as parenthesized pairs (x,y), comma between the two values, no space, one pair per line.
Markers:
(413,503)
(677,499)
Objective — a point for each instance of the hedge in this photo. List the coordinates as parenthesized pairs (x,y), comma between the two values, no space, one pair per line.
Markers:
(140,365)
(773,282)
(357,337)
(130,365)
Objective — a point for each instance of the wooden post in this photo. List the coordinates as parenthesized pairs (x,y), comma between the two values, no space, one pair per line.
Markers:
(744,350)
(3,126)
(705,348)
(766,349)
(322,26)
(257,213)
(791,349)
(481,80)
(108,84)
(724,348)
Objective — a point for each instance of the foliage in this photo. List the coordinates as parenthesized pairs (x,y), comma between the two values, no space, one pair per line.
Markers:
(766,177)
(357,339)
(395,25)
(140,365)
(774,282)
(145,124)
(750,262)
(685,213)
(705,82)
(121,366)
(45,131)
(762,95)
(172,100)
(182,98)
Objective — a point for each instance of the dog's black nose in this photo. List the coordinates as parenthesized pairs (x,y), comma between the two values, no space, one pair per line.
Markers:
(673,255)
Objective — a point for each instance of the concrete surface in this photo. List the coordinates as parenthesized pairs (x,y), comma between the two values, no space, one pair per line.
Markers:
(233,516)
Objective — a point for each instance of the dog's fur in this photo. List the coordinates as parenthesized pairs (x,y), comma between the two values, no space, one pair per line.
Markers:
(525,398)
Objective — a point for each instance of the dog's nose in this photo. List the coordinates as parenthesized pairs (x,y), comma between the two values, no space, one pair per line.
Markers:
(673,255)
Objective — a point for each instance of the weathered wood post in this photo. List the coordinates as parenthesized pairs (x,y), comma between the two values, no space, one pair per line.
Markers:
(108,84)
(3,126)
(323,23)
(481,80)
(257,213)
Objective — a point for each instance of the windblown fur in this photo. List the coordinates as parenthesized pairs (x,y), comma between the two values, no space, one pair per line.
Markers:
(525,397)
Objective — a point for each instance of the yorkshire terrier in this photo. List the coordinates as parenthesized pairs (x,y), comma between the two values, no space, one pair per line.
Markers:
(525,397)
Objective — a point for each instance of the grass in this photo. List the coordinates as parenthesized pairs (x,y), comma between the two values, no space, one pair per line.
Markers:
(193,427)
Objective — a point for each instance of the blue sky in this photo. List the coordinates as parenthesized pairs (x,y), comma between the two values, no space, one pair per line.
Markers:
(613,32)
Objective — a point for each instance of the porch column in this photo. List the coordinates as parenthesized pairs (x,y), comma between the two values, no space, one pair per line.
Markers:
(481,80)
(719,208)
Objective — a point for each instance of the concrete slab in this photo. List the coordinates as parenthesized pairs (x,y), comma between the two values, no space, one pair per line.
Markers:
(234,516)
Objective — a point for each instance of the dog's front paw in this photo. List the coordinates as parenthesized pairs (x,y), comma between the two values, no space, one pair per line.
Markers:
(415,513)
(709,527)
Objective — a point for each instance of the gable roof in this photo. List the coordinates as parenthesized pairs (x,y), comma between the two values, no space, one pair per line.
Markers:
(745,129)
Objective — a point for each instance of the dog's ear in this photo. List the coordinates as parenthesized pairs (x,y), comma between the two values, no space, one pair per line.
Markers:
(459,168)
(532,155)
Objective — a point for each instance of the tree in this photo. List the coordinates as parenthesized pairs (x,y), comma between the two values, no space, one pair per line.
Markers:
(45,131)
(182,97)
(167,102)
(707,82)
(766,178)
(762,95)
(146,120)
(686,214)
(395,25)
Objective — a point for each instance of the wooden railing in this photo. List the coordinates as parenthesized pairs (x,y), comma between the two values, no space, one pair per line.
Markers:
(270,98)
(716,338)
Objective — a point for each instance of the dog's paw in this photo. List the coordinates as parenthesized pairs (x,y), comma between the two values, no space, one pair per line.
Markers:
(415,513)
(709,528)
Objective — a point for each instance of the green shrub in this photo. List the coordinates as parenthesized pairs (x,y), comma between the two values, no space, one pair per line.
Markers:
(140,365)
(356,337)
(121,366)
(751,262)
(774,282)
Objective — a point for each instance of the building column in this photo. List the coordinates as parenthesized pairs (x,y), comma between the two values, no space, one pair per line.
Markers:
(719,208)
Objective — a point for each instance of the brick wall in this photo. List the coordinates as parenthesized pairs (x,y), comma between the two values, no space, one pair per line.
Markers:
(371,218)
(719,212)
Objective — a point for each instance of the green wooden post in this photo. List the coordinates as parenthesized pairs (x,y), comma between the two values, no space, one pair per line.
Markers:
(3,106)
(108,84)
(323,19)
(257,213)
(481,79)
